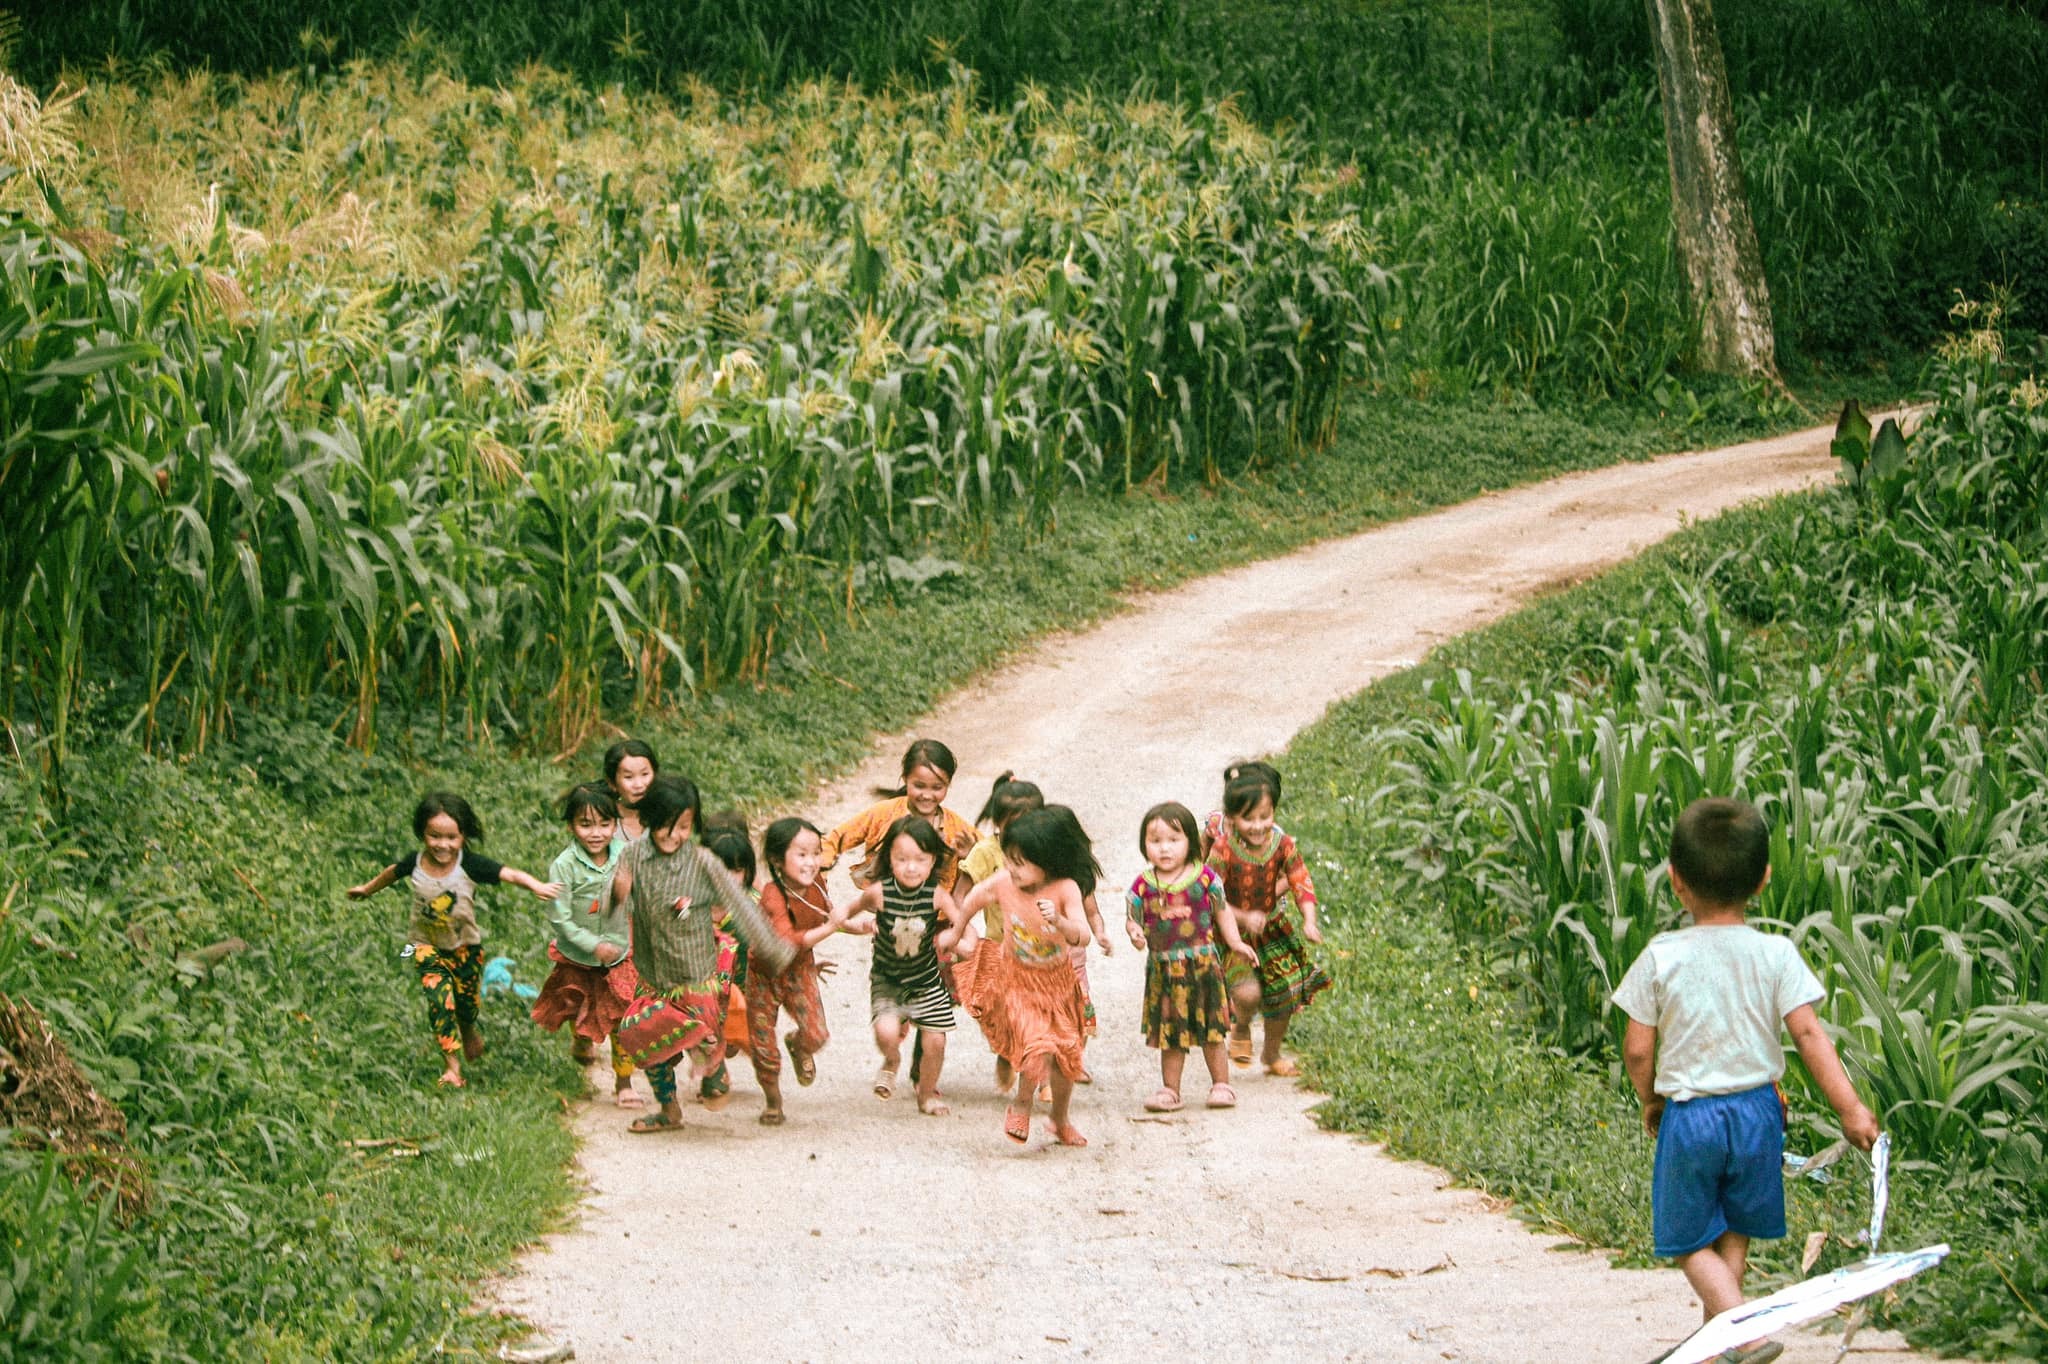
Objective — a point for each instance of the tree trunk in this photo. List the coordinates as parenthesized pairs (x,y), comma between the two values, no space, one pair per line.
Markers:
(1709,203)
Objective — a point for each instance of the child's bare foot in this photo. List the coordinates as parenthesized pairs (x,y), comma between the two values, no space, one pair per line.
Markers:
(625,1096)
(451,1077)
(932,1106)
(771,1117)
(472,1044)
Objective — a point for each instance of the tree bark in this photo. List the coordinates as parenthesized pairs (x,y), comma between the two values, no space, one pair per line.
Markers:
(1709,202)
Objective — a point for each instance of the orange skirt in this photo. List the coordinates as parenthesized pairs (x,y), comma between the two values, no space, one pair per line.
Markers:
(1025,1012)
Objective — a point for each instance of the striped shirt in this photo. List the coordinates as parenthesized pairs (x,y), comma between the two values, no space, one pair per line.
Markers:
(674,898)
(904,973)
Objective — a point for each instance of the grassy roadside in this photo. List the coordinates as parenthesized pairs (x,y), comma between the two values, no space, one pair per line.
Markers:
(1425,1047)
(244,1089)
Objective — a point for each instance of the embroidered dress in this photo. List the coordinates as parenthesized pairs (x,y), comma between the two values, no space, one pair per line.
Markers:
(904,977)
(866,830)
(1187,1004)
(684,971)
(591,997)
(1022,991)
(794,990)
(1288,978)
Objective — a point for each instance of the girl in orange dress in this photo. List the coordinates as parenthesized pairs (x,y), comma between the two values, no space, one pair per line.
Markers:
(1023,989)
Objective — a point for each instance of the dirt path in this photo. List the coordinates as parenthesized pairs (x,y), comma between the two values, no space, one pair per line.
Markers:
(864,1231)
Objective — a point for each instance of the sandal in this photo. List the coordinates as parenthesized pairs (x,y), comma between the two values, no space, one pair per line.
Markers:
(1241,1050)
(802,1062)
(1762,1354)
(1163,1100)
(1066,1134)
(1284,1067)
(771,1117)
(1084,1078)
(654,1122)
(1222,1096)
(1016,1126)
(628,1098)
(932,1106)
(885,1083)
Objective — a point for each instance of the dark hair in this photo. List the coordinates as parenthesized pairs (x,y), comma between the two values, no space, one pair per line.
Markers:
(923,753)
(589,795)
(724,835)
(1722,849)
(921,833)
(449,804)
(667,799)
(1180,817)
(1009,798)
(776,841)
(624,749)
(1245,783)
(1052,839)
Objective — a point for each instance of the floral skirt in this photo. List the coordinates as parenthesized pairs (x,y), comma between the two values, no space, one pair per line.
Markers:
(1025,1012)
(1289,980)
(592,1000)
(1187,1005)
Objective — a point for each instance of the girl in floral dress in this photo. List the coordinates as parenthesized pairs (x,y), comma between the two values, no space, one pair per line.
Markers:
(1260,867)
(1177,914)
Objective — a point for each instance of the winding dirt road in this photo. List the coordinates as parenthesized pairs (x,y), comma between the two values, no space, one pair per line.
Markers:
(863,1231)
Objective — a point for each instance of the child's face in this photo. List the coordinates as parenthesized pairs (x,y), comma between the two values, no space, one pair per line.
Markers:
(443,839)
(1025,874)
(593,830)
(634,776)
(926,789)
(800,863)
(1166,846)
(1255,825)
(908,863)
(669,841)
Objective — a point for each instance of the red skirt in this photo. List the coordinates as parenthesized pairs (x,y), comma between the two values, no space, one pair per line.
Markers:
(1025,1012)
(592,999)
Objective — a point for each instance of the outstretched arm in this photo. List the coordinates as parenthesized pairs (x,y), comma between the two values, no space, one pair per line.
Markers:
(546,890)
(374,884)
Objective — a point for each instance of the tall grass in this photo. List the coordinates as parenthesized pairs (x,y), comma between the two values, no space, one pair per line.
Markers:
(505,406)
(1901,769)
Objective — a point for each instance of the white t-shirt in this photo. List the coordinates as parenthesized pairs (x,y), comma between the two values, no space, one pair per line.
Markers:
(1717,994)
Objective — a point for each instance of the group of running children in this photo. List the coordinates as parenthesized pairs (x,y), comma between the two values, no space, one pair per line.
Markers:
(657,934)
(663,943)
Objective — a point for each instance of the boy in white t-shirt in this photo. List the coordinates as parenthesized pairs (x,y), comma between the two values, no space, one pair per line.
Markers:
(1703,1050)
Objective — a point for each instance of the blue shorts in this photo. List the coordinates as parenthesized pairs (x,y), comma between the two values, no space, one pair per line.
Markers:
(1719,1169)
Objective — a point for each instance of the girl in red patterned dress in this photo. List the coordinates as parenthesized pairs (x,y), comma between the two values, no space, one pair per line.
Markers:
(795,906)
(1023,989)
(1259,864)
(1177,912)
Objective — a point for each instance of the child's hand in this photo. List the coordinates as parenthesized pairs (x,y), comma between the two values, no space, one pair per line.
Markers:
(1250,923)
(548,890)
(1248,952)
(1653,1115)
(1106,943)
(1310,930)
(862,925)
(1860,1127)
(609,953)
(1047,910)
(1137,938)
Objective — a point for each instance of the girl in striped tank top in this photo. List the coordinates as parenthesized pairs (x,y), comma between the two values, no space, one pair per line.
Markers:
(915,923)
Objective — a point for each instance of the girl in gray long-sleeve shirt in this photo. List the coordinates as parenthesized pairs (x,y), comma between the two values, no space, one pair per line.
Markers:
(672,889)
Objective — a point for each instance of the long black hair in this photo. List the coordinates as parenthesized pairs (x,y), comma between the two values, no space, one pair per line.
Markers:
(589,795)
(624,749)
(724,835)
(1009,798)
(1052,839)
(667,800)
(449,804)
(776,841)
(1245,783)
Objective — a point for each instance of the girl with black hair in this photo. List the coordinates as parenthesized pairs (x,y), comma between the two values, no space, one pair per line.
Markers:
(591,985)
(916,924)
(447,944)
(672,887)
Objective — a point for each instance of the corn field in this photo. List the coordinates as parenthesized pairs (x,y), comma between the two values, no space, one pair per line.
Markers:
(505,406)
(1898,747)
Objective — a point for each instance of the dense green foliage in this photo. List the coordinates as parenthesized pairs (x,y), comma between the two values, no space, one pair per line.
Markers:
(605,376)
(1512,154)
(1865,664)
(267,1236)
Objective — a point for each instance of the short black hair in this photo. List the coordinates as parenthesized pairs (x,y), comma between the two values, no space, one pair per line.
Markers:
(449,804)
(918,830)
(1244,784)
(667,800)
(589,795)
(725,836)
(1721,848)
(624,749)
(1175,815)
